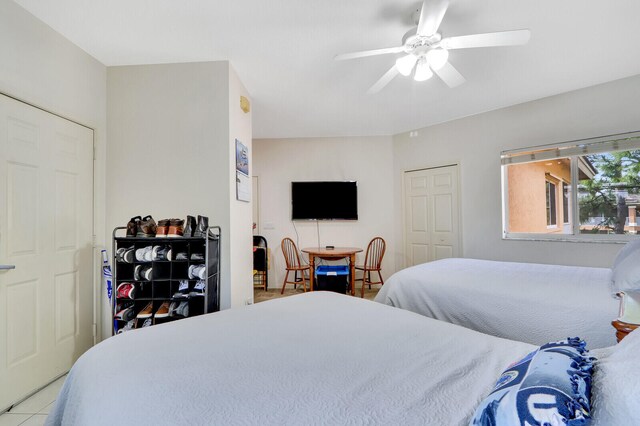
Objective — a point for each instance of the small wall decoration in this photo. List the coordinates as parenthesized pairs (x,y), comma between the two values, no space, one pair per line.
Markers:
(243,183)
(244,104)
(242,158)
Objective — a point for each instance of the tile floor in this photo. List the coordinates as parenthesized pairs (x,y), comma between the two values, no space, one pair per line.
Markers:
(33,411)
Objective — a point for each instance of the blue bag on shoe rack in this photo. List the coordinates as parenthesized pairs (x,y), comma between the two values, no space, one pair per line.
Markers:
(548,387)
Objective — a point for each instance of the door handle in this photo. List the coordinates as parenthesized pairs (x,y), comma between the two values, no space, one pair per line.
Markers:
(7,267)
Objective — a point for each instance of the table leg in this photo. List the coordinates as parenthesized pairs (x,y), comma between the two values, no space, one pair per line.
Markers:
(311,271)
(352,273)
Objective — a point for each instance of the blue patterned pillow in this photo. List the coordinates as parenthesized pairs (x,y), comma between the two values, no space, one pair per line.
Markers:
(548,387)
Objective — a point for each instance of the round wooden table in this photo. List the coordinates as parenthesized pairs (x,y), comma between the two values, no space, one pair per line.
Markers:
(333,254)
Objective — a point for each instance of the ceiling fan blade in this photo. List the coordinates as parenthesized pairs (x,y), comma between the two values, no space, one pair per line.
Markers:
(366,53)
(383,81)
(504,38)
(431,15)
(450,75)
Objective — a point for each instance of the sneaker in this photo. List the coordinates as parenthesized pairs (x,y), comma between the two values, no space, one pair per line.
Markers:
(142,273)
(146,227)
(125,254)
(126,314)
(146,312)
(163,310)
(128,326)
(161,253)
(197,256)
(182,256)
(125,291)
(189,226)
(144,254)
(202,227)
(183,309)
(183,287)
(172,308)
(163,228)
(132,226)
(176,228)
(198,289)
(197,271)
(147,323)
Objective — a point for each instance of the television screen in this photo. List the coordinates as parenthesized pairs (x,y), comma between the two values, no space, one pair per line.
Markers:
(324,200)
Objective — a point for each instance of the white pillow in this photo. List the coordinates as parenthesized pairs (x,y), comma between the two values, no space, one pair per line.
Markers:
(626,274)
(625,251)
(615,394)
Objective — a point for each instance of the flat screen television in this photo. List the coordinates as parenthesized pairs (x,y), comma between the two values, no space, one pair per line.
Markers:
(336,200)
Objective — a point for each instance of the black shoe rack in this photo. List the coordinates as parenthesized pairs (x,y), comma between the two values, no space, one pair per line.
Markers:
(166,275)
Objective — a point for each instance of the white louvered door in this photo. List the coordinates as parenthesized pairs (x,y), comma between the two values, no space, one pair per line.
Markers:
(46,225)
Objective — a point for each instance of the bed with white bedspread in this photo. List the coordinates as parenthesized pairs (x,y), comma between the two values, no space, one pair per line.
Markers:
(528,302)
(316,358)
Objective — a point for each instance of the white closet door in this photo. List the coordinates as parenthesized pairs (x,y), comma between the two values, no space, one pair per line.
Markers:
(46,225)
(431,216)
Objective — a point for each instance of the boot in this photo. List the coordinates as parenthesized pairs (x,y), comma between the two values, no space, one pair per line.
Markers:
(203,226)
(162,228)
(132,226)
(189,226)
(147,227)
(176,228)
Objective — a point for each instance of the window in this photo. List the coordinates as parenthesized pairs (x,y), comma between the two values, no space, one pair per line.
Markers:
(592,186)
(551,204)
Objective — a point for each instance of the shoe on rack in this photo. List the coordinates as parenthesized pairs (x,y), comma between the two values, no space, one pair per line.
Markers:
(132,226)
(198,289)
(183,287)
(196,271)
(197,256)
(161,253)
(183,309)
(146,227)
(172,308)
(182,256)
(142,273)
(189,226)
(126,314)
(146,312)
(147,323)
(202,227)
(176,228)
(125,291)
(163,228)
(128,326)
(163,310)
(144,254)
(125,254)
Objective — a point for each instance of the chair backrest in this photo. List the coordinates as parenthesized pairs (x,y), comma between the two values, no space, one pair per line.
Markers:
(259,241)
(375,253)
(290,252)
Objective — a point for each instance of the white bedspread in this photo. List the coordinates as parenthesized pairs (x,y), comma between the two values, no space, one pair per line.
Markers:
(527,302)
(317,358)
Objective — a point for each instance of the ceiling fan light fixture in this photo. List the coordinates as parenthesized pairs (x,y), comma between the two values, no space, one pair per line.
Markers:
(405,64)
(437,58)
(423,72)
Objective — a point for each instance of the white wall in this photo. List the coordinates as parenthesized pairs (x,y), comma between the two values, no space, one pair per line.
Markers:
(171,153)
(240,250)
(368,160)
(475,142)
(41,67)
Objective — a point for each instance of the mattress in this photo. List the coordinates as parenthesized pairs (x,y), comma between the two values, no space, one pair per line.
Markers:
(528,302)
(316,358)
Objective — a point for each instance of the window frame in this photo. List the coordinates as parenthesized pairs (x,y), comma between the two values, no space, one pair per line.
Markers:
(572,150)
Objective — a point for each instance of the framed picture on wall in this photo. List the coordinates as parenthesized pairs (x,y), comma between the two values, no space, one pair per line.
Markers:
(242,158)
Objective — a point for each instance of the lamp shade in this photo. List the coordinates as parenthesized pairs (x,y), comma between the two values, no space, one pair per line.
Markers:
(437,58)
(423,72)
(405,64)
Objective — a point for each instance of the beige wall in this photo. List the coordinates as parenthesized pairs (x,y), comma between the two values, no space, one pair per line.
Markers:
(368,160)
(172,130)
(476,142)
(41,67)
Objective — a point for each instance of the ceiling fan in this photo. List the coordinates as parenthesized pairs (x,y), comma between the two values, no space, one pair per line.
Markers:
(425,50)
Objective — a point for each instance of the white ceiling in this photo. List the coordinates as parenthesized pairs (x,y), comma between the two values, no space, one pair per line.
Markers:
(283,52)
